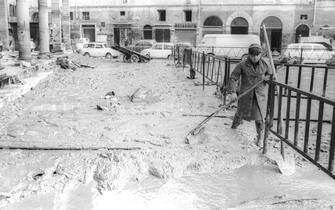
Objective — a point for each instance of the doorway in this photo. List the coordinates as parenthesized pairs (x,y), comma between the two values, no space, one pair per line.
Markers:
(274,31)
(89,32)
(117,36)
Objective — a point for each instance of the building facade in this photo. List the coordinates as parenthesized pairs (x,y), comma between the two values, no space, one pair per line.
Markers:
(124,21)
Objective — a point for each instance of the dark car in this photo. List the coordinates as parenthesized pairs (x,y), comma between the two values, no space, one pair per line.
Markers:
(142,45)
(1,46)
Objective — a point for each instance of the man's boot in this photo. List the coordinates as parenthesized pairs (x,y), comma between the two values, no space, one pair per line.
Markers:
(236,121)
(260,131)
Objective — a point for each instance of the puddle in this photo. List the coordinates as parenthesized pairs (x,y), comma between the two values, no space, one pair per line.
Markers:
(217,191)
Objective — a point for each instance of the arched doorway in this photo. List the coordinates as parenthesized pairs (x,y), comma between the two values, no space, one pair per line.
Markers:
(239,26)
(301,31)
(274,28)
(147,32)
(213,25)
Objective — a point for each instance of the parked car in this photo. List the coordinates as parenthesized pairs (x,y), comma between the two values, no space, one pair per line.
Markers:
(1,46)
(159,50)
(232,45)
(142,45)
(97,49)
(308,53)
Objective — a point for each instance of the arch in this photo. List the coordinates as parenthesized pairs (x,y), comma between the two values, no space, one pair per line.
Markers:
(301,30)
(239,26)
(239,14)
(34,17)
(272,22)
(213,21)
(147,32)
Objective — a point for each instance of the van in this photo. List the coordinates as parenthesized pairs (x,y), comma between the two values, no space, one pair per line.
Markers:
(234,46)
(308,52)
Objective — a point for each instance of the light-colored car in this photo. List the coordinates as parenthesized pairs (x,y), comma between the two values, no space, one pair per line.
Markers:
(159,50)
(142,45)
(97,49)
(308,52)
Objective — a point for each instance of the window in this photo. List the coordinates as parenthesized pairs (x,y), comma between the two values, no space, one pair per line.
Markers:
(12,10)
(103,24)
(162,15)
(98,46)
(188,15)
(86,15)
(71,15)
(90,45)
(122,13)
(303,17)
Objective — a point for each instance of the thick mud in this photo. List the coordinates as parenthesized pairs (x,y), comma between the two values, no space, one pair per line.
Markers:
(133,153)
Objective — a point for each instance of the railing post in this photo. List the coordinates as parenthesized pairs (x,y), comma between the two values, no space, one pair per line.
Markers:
(301,52)
(203,70)
(267,119)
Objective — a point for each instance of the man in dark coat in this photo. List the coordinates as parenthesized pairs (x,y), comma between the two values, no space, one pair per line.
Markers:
(253,105)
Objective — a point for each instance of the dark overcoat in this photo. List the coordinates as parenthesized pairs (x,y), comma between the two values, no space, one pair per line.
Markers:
(249,74)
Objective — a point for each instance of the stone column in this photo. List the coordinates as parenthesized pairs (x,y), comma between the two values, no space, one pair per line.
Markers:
(56,25)
(43,26)
(23,29)
(66,24)
(4,23)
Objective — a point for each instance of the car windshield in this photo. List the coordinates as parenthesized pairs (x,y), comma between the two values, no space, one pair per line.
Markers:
(105,45)
(158,47)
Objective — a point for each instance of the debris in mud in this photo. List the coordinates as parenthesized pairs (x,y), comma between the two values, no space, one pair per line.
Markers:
(110,103)
(65,63)
(38,175)
(131,97)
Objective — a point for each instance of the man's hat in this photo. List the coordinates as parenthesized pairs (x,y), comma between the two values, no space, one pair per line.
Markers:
(255,46)
(255,49)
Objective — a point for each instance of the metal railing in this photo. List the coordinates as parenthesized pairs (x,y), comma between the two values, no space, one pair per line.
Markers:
(304,98)
(314,139)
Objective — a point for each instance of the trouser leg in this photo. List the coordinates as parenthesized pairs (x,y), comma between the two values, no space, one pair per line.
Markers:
(260,130)
(236,121)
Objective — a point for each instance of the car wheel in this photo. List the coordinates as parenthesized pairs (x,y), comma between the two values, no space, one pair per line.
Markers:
(169,57)
(134,58)
(126,58)
(108,56)
(87,54)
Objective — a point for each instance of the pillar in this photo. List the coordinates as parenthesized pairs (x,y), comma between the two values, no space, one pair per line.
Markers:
(23,29)
(43,26)
(66,24)
(4,23)
(56,25)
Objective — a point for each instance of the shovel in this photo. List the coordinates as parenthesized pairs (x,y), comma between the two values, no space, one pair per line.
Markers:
(286,164)
(199,128)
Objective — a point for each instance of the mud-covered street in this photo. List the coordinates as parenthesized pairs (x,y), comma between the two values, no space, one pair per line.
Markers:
(128,151)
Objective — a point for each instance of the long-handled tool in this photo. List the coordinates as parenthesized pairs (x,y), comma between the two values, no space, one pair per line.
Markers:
(286,167)
(200,127)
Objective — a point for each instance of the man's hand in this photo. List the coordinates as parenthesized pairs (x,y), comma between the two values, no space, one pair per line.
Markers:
(232,97)
(266,77)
